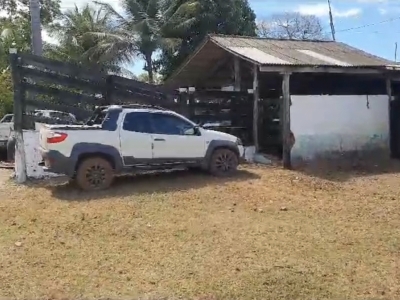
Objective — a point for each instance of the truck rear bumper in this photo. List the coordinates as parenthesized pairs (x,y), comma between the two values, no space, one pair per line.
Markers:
(55,162)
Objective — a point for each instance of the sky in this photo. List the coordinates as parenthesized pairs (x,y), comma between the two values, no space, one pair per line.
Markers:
(370,25)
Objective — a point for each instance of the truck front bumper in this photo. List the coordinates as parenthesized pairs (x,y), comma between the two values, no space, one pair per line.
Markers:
(242,158)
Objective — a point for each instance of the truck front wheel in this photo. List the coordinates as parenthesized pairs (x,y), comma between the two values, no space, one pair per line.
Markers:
(224,162)
(94,173)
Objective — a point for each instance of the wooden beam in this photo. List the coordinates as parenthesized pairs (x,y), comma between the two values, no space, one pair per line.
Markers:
(236,61)
(92,72)
(286,133)
(389,89)
(338,70)
(255,107)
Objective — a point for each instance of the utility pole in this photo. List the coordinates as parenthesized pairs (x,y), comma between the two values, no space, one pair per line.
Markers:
(395,52)
(36,28)
(330,20)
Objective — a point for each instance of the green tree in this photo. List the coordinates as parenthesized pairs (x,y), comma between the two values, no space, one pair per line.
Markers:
(13,35)
(230,17)
(15,25)
(6,93)
(144,77)
(16,20)
(75,44)
(293,26)
(146,26)
(19,9)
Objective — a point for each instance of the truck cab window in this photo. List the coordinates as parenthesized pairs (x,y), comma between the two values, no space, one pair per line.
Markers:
(138,122)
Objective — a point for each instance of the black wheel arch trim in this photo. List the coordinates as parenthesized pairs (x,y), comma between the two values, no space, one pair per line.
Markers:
(93,149)
(217,144)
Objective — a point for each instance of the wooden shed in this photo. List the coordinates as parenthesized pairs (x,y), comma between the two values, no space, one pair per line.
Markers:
(333,97)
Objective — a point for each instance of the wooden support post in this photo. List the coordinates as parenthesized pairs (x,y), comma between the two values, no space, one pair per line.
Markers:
(286,133)
(109,87)
(255,107)
(237,73)
(184,102)
(389,89)
(389,94)
(192,104)
(20,160)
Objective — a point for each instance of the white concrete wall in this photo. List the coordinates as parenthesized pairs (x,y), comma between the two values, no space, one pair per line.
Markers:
(32,155)
(326,124)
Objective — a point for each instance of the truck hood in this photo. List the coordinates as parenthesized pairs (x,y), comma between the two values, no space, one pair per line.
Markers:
(213,134)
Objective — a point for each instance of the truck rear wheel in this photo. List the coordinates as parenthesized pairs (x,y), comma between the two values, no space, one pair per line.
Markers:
(95,173)
(224,162)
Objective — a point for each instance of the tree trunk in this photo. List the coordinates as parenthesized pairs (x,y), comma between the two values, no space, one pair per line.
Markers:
(37,45)
(149,63)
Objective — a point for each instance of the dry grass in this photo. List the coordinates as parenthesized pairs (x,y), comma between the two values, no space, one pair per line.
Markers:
(194,236)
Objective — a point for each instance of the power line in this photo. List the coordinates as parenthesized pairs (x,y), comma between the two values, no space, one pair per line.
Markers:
(369,25)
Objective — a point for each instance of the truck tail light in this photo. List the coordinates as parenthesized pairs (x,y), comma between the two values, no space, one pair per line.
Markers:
(57,137)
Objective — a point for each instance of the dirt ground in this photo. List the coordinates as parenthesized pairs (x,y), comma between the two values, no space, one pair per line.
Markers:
(267,233)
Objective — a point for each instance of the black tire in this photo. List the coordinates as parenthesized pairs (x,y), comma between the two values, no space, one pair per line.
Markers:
(94,173)
(224,162)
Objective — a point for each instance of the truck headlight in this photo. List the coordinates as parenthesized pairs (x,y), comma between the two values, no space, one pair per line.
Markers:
(239,142)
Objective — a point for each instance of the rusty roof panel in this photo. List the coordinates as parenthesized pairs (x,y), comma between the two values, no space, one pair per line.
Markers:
(293,52)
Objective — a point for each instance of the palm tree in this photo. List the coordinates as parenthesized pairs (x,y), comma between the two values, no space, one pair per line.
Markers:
(147,25)
(74,43)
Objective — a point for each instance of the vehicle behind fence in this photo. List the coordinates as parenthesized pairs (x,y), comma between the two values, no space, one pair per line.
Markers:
(41,84)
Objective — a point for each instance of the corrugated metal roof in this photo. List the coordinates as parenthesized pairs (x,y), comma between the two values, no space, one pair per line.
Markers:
(293,52)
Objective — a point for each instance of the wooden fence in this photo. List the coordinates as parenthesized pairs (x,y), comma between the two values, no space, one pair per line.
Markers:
(41,83)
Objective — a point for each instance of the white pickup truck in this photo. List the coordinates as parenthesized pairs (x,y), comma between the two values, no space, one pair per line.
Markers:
(133,138)
(5,127)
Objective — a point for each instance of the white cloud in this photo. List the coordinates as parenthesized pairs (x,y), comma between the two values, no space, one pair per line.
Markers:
(322,10)
(383,11)
(372,1)
(70,4)
(47,38)
(352,12)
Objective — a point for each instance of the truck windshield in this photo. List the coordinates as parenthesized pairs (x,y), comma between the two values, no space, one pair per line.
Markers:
(6,119)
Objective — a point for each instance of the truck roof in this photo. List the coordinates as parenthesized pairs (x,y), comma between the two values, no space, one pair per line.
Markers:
(144,107)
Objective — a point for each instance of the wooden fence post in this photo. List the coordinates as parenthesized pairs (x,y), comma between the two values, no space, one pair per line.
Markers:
(108,94)
(255,107)
(183,102)
(286,133)
(390,99)
(191,103)
(19,94)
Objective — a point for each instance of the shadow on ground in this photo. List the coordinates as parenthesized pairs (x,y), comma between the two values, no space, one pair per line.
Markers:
(346,168)
(146,184)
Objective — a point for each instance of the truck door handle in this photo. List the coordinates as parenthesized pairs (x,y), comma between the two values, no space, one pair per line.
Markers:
(159,140)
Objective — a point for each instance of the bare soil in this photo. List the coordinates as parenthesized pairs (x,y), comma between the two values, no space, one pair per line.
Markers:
(267,233)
